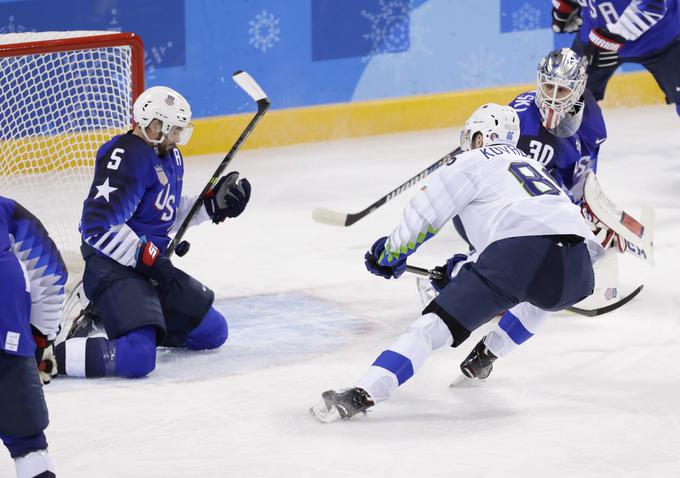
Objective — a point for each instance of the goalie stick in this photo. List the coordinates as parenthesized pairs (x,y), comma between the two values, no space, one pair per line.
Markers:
(435,274)
(250,86)
(333,218)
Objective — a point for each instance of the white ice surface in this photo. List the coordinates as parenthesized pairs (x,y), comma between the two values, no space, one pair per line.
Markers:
(584,398)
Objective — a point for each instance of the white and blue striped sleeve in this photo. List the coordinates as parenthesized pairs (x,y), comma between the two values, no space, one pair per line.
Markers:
(638,17)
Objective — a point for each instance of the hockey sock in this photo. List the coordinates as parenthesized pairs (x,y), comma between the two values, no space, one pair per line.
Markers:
(132,355)
(211,333)
(86,357)
(677,108)
(405,356)
(35,464)
(516,326)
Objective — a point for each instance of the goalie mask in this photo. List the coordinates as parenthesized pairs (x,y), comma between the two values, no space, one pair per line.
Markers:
(168,107)
(561,80)
(497,124)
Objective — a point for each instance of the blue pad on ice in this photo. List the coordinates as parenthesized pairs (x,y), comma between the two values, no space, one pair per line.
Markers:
(211,333)
(136,352)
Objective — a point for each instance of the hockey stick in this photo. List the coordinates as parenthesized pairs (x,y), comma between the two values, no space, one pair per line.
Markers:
(607,308)
(334,218)
(250,86)
(435,274)
(246,82)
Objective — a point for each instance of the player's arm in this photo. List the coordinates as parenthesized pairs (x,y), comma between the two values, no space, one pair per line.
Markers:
(185,204)
(604,43)
(638,17)
(46,277)
(592,134)
(116,191)
(45,268)
(442,197)
(228,198)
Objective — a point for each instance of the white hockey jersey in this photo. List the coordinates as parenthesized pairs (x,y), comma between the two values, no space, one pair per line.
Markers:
(499,193)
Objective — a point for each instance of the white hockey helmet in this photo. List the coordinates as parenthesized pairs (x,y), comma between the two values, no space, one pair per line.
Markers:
(167,106)
(497,124)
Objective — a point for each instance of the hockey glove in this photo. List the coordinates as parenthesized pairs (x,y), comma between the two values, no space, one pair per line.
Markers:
(603,234)
(446,271)
(154,264)
(566,16)
(44,356)
(228,198)
(384,265)
(603,48)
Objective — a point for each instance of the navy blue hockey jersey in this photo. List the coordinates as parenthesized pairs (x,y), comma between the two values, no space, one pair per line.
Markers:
(134,194)
(33,276)
(566,159)
(647,25)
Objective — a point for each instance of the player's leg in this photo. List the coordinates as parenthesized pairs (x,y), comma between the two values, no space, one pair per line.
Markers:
(515,327)
(664,67)
(192,321)
(131,312)
(23,416)
(467,302)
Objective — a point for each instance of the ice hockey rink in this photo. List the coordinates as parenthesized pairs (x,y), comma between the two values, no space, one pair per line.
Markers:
(586,397)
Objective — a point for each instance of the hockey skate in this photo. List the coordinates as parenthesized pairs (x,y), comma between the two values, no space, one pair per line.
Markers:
(479,363)
(342,405)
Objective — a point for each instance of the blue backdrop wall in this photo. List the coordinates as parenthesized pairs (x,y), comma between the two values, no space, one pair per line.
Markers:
(310,52)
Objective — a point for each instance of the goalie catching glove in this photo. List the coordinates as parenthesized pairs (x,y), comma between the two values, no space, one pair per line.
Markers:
(228,198)
(44,356)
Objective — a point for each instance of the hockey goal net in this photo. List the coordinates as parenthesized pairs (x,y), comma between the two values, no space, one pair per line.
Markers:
(62,95)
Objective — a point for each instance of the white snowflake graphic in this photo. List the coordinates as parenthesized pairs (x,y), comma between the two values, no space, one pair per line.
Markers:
(526,18)
(481,68)
(154,58)
(404,62)
(264,31)
(114,25)
(11,27)
(389,27)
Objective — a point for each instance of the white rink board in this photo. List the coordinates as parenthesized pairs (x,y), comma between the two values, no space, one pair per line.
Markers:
(584,398)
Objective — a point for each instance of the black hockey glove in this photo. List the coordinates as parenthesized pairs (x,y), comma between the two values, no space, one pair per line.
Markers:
(383,268)
(445,271)
(154,265)
(44,356)
(566,16)
(228,198)
(603,48)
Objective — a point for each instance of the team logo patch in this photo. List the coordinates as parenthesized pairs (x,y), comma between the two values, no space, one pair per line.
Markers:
(12,341)
(170,100)
(161,174)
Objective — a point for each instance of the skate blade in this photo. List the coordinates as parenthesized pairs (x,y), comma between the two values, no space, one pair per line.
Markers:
(462,381)
(321,412)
